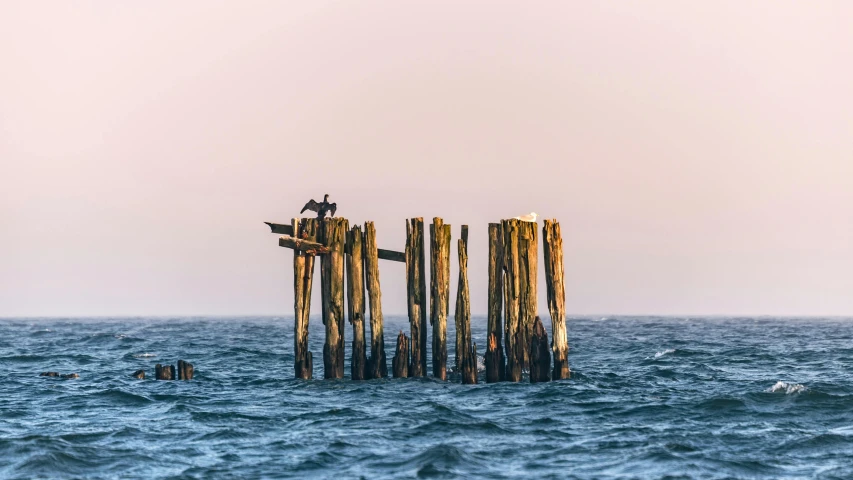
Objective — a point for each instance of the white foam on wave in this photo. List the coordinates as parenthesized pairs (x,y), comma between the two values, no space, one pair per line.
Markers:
(667,351)
(144,355)
(787,388)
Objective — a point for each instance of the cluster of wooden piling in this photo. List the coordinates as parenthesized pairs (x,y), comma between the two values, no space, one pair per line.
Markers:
(516,338)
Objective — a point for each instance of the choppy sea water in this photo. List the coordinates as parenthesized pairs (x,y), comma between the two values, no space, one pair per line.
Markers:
(648,398)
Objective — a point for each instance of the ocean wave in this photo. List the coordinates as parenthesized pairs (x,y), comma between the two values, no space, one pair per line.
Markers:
(787,388)
(144,355)
(665,352)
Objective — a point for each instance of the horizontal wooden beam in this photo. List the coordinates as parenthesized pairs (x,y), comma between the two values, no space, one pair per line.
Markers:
(280,228)
(301,245)
(305,246)
(391,255)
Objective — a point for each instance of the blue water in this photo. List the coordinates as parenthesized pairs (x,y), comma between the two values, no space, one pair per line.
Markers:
(648,398)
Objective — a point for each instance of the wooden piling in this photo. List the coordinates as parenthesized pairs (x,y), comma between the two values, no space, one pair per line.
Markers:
(528,270)
(440,294)
(378,366)
(333,234)
(140,374)
(540,353)
(164,372)
(512,285)
(355,301)
(303,274)
(401,357)
(469,367)
(462,315)
(494,349)
(185,370)
(416,289)
(552,241)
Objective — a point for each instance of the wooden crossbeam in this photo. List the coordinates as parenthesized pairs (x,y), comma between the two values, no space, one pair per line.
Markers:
(288,241)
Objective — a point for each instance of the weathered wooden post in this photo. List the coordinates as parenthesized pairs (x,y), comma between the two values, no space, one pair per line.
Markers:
(333,234)
(355,301)
(416,289)
(378,365)
(494,348)
(463,315)
(164,372)
(528,276)
(440,294)
(400,362)
(303,275)
(512,286)
(185,370)
(553,246)
(540,353)
(469,367)
(459,315)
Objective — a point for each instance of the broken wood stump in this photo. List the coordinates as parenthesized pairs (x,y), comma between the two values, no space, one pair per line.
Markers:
(528,277)
(469,366)
(494,348)
(401,357)
(540,353)
(552,241)
(164,372)
(378,362)
(440,294)
(333,234)
(462,315)
(417,296)
(303,274)
(355,302)
(140,374)
(185,370)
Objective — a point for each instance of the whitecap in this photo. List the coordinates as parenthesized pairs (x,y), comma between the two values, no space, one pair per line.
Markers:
(787,388)
(660,354)
(144,355)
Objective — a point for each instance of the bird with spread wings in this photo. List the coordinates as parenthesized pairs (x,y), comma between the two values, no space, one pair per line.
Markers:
(321,207)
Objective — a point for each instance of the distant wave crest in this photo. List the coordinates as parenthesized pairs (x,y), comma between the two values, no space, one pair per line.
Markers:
(787,388)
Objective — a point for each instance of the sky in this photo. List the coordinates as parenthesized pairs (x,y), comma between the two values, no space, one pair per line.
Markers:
(698,155)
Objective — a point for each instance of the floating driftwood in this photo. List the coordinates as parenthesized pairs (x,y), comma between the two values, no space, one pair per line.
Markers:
(440,290)
(552,241)
(303,274)
(378,364)
(355,300)
(416,290)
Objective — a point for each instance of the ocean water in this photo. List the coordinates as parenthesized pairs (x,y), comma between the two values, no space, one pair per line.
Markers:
(648,398)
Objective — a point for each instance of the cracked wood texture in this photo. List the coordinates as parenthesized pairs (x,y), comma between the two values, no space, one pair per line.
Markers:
(494,349)
(377,365)
(303,274)
(527,274)
(552,241)
(540,353)
(333,233)
(462,314)
(302,245)
(400,363)
(355,301)
(440,294)
(416,289)
(512,288)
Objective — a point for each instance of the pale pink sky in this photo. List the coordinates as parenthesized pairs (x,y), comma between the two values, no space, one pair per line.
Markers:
(699,155)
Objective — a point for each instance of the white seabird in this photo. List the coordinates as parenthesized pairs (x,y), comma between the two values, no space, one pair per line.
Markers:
(530,217)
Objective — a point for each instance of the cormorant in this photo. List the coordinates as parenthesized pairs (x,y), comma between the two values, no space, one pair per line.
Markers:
(321,208)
